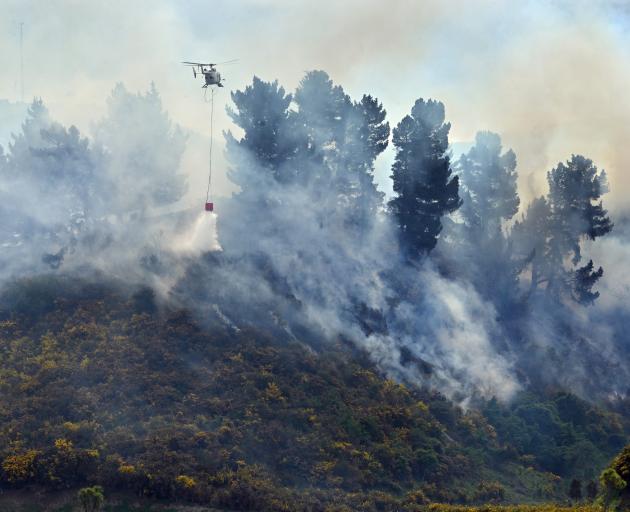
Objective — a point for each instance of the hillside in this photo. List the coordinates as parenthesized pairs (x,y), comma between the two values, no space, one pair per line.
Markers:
(100,384)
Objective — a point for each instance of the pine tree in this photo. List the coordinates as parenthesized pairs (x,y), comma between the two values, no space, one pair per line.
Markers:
(56,162)
(490,197)
(374,131)
(553,228)
(584,278)
(262,112)
(489,180)
(576,213)
(324,110)
(342,139)
(20,159)
(57,182)
(144,151)
(530,238)
(367,135)
(423,183)
(262,162)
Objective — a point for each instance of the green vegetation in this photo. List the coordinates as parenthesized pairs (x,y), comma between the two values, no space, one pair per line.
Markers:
(91,498)
(126,506)
(98,387)
(615,493)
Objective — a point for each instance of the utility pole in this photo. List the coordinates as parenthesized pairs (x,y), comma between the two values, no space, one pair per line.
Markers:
(22,61)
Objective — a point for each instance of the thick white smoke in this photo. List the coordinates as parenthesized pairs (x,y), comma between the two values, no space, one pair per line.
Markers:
(290,264)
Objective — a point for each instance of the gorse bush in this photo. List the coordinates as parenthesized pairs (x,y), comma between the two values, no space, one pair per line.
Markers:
(95,393)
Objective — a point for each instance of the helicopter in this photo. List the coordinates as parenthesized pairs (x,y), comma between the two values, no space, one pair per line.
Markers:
(209,72)
(211,77)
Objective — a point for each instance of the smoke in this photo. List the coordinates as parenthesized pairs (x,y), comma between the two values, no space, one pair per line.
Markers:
(452,330)
(110,205)
(548,76)
(291,258)
(298,263)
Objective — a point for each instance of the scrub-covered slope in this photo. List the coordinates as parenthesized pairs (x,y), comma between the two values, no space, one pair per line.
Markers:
(99,385)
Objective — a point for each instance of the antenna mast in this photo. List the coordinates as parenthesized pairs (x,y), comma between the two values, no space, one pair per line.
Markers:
(22,61)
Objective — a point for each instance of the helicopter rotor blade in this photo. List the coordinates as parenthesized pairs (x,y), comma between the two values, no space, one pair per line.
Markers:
(226,62)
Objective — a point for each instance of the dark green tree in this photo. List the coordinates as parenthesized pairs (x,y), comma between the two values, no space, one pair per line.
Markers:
(530,238)
(576,213)
(424,185)
(488,178)
(262,112)
(584,278)
(552,230)
(342,140)
(575,189)
(373,132)
(324,110)
(366,137)
(488,181)
(261,162)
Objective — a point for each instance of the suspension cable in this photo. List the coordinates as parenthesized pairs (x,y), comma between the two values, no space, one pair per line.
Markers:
(211,138)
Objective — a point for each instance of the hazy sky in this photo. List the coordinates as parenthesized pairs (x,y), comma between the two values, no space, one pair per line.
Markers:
(551,77)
